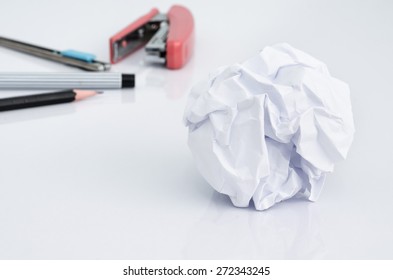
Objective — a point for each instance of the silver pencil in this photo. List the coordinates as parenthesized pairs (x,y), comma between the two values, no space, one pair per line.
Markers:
(90,80)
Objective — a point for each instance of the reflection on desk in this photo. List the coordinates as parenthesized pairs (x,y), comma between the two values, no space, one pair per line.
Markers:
(288,231)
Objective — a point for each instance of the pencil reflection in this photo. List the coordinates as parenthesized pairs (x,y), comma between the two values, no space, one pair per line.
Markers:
(32,114)
(287,231)
(128,96)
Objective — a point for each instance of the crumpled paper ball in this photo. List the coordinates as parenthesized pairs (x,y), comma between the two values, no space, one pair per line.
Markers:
(269,128)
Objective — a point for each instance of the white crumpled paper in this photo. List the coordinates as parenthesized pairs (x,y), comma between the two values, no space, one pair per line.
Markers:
(269,128)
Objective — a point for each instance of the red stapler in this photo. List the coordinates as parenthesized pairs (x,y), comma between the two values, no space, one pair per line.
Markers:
(169,38)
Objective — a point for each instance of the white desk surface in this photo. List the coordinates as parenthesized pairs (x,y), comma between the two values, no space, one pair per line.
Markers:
(112,177)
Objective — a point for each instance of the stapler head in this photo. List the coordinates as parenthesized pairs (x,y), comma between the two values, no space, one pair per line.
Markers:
(168,38)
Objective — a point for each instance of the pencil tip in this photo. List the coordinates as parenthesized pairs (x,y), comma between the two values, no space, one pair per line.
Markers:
(82,94)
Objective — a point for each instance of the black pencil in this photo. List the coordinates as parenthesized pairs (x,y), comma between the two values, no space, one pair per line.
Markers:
(29,101)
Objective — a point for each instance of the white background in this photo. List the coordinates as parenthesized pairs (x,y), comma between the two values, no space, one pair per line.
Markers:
(112,177)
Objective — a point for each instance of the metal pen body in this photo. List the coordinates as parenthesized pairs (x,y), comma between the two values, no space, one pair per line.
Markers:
(53,55)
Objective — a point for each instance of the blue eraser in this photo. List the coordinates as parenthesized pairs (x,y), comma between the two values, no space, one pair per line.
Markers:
(88,57)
